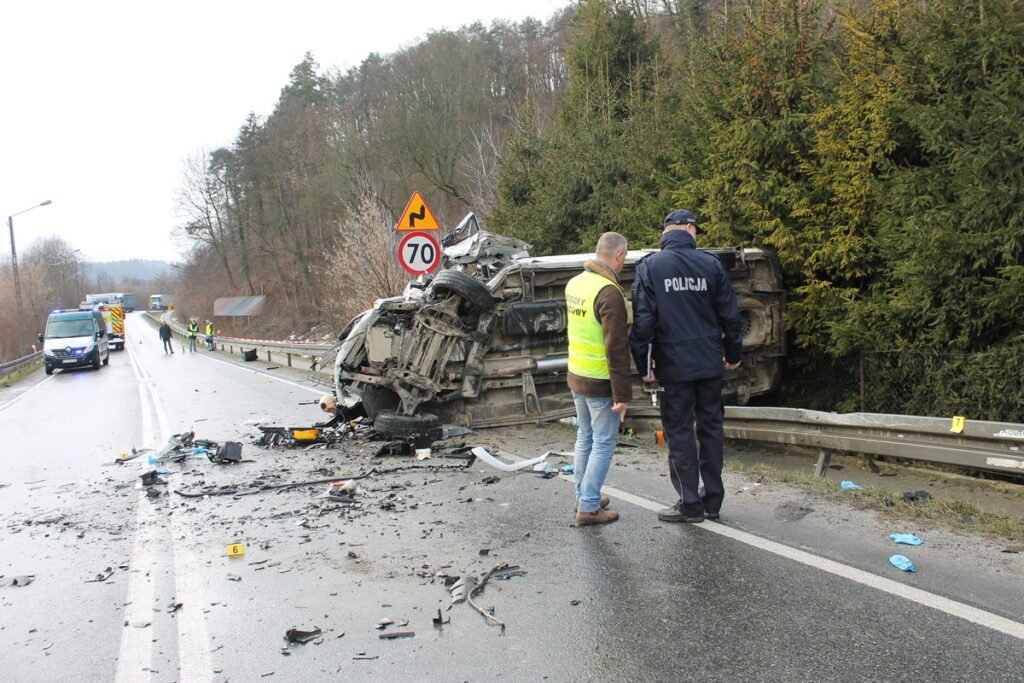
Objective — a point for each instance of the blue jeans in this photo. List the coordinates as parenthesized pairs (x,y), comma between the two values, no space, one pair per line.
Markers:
(597,431)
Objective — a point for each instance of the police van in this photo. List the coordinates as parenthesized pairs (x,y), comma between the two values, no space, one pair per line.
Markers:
(75,339)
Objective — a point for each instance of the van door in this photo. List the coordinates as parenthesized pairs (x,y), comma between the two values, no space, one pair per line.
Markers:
(103,343)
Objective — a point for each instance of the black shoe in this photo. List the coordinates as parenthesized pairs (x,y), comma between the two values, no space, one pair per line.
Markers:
(674,515)
(710,515)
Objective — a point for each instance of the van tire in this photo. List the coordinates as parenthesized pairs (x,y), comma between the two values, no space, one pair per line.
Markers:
(48,369)
(474,292)
(96,364)
(391,423)
(106,361)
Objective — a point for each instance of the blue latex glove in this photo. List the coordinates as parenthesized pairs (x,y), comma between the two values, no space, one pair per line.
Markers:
(568,469)
(544,467)
(850,486)
(906,539)
(902,562)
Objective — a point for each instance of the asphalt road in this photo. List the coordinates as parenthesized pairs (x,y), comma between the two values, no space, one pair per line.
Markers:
(784,589)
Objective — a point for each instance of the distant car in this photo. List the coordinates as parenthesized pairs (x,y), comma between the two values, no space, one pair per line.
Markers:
(75,339)
(484,343)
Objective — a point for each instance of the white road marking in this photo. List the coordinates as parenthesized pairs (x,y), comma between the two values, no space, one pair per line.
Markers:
(136,653)
(319,392)
(22,394)
(916,595)
(193,637)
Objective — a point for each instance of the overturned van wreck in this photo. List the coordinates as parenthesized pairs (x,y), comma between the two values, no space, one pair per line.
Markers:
(483,342)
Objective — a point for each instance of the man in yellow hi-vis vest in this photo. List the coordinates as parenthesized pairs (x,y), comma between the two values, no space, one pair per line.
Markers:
(599,373)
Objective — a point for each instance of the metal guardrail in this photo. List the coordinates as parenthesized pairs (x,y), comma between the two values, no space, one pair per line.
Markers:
(19,363)
(267,349)
(990,446)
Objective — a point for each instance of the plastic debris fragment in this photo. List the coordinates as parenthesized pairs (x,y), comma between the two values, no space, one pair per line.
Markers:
(906,539)
(848,485)
(903,563)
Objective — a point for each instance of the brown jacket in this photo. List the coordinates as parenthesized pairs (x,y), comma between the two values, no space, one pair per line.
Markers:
(610,312)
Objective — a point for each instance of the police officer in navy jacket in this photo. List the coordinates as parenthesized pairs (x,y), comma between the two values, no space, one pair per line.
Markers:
(686,333)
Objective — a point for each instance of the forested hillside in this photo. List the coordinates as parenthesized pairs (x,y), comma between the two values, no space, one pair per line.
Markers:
(877,147)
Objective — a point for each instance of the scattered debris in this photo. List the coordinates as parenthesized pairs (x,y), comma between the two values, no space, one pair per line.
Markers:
(906,539)
(384,623)
(546,468)
(848,485)
(234,577)
(153,492)
(151,479)
(102,576)
(22,581)
(490,480)
(916,496)
(575,603)
(174,607)
(903,563)
(507,571)
(294,635)
(440,621)
(568,469)
(458,591)
(484,552)
(397,634)
(484,455)
(363,655)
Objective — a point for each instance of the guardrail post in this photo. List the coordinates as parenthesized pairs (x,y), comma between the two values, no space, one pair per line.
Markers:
(824,458)
(289,357)
(268,355)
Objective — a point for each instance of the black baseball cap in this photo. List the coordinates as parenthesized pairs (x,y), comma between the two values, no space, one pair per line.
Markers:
(682,217)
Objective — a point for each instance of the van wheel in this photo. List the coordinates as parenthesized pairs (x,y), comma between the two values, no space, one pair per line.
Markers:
(106,361)
(48,369)
(96,360)
(390,422)
(472,291)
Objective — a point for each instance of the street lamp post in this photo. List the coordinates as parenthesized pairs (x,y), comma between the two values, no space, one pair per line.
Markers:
(17,282)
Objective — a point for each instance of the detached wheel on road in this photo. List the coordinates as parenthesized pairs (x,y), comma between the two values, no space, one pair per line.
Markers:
(405,426)
(472,291)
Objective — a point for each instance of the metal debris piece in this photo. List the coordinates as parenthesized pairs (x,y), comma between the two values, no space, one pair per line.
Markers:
(490,480)
(174,607)
(479,588)
(102,576)
(294,635)
(22,581)
(440,621)
(384,623)
(397,634)
(458,591)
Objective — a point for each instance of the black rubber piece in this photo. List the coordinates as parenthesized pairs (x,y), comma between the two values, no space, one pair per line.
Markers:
(389,422)
(472,291)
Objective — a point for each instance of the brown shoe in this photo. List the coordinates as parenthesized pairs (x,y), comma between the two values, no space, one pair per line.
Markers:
(605,502)
(599,517)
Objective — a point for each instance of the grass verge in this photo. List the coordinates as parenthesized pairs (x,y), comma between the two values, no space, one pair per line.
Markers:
(954,514)
(16,376)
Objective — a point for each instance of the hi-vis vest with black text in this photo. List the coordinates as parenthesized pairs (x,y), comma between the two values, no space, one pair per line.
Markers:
(587,356)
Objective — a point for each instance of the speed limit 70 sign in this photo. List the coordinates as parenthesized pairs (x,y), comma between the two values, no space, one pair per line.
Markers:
(419,253)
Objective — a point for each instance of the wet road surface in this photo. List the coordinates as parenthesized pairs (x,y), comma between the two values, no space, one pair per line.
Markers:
(638,600)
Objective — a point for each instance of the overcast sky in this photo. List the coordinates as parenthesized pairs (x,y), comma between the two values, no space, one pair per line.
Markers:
(102,101)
